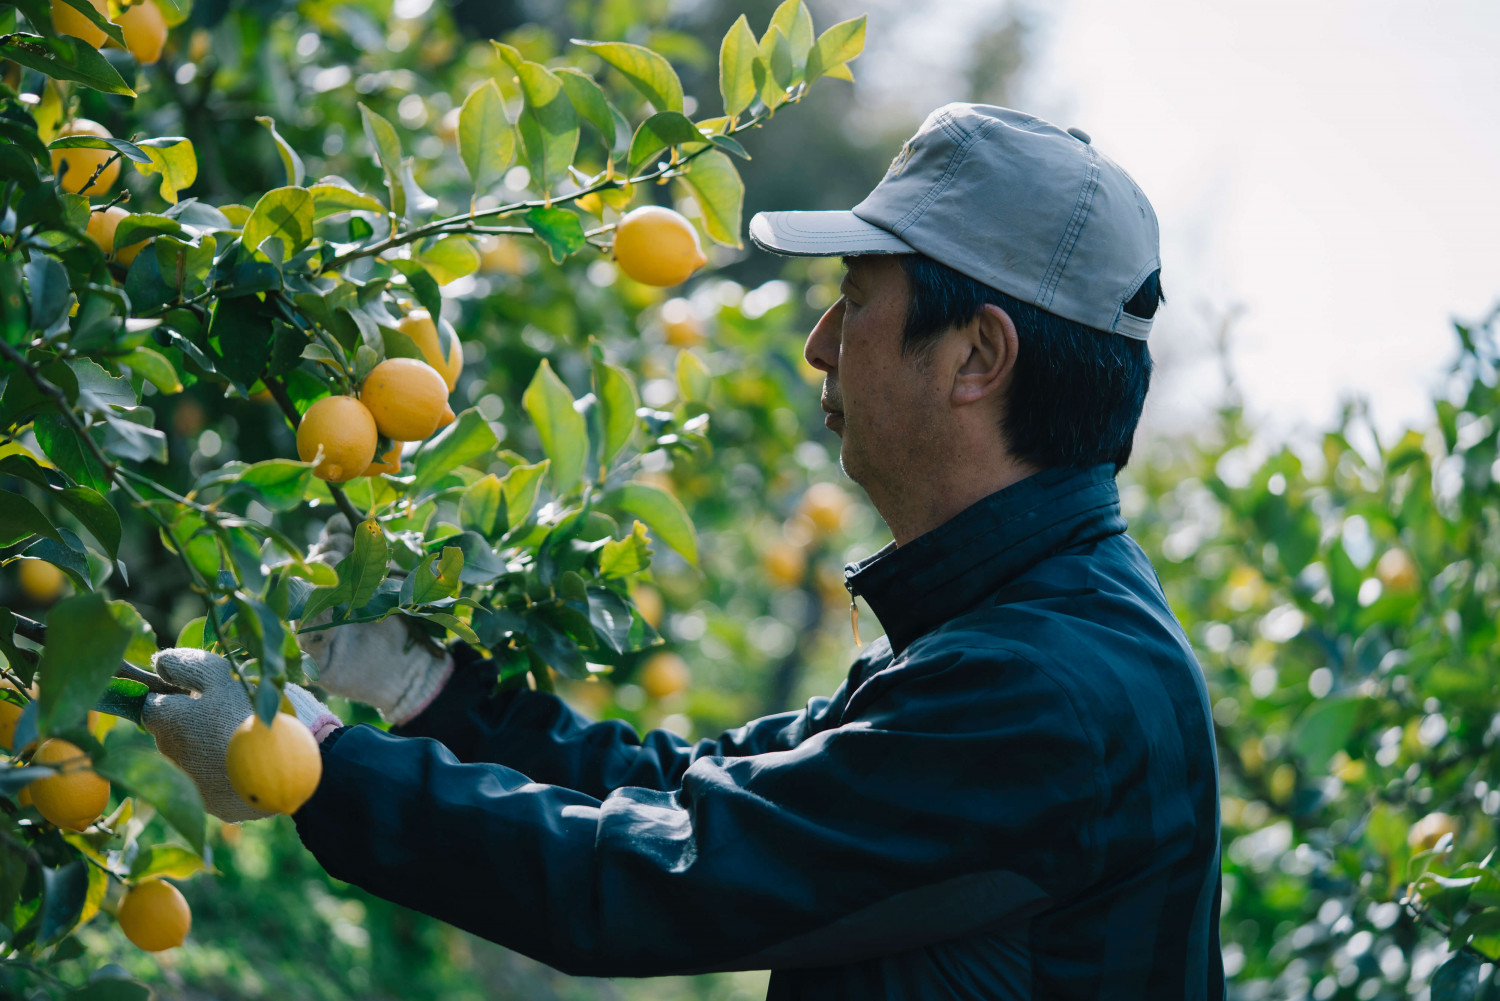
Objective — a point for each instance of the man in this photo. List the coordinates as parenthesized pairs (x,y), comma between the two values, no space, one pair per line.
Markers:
(1014,792)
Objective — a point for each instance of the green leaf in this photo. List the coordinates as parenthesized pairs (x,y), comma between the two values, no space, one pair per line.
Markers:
(693,379)
(721,195)
(243,336)
(794,22)
(21,519)
(387,148)
(285,213)
(835,47)
(482,508)
(173,158)
(98,389)
(648,71)
(611,618)
(333,195)
(50,294)
(522,485)
(548,124)
(152,777)
(666,128)
(110,989)
(124,147)
(1325,729)
(290,161)
(623,557)
(280,484)
(453,624)
(486,140)
(559,229)
(143,226)
(589,101)
(562,429)
(481,565)
(618,402)
(142,645)
(95,514)
(468,437)
(423,286)
(84,648)
(449,259)
(662,513)
(64,892)
(173,861)
(428,583)
(64,59)
(1457,979)
(123,698)
(737,66)
(67,450)
(153,367)
(365,568)
(773,68)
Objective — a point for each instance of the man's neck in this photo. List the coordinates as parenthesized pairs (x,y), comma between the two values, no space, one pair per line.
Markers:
(921,504)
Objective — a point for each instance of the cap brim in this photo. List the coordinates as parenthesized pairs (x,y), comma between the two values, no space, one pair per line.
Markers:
(822,234)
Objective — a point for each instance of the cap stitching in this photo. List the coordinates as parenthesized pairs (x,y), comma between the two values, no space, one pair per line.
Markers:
(960,153)
(1053,276)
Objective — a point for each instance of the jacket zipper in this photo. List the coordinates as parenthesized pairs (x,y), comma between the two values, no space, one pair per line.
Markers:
(853,608)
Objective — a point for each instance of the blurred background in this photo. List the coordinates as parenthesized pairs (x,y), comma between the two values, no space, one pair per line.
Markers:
(1324,175)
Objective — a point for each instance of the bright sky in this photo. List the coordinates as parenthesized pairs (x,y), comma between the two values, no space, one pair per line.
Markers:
(1333,166)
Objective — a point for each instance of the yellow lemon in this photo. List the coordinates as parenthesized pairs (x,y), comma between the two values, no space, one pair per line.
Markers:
(680,324)
(664,674)
(419,327)
(657,246)
(344,431)
(76,795)
(784,563)
(41,582)
(1428,831)
(145,31)
(648,602)
(501,254)
(74,167)
(1397,572)
(274,768)
(407,397)
(155,915)
(68,20)
(825,505)
(390,462)
(102,226)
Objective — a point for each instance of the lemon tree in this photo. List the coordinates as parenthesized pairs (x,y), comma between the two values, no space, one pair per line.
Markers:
(146,295)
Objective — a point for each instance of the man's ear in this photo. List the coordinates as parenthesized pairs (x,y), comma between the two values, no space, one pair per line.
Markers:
(991,346)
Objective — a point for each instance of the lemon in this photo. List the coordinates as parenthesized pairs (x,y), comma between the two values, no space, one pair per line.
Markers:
(664,674)
(390,462)
(407,397)
(648,602)
(155,915)
(102,226)
(41,582)
(10,714)
(145,31)
(343,431)
(74,167)
(785,563)
(825,505)
(657,246)
(68,20)
(1397,572)
(501,254)
(419,327)
(76,795)
(274,768)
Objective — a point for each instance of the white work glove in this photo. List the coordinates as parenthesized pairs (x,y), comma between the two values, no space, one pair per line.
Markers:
(377,663)
(194,730)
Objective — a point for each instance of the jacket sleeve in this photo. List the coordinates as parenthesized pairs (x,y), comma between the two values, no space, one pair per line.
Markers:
(962,796)
(538,734)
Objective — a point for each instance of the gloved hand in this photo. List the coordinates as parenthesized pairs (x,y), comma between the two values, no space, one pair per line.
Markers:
(377,663)
(194,731)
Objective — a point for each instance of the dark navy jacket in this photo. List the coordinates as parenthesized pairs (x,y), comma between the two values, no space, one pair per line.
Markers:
(1013,794)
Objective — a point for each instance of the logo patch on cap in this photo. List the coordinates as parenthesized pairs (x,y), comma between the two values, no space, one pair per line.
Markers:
(902,158)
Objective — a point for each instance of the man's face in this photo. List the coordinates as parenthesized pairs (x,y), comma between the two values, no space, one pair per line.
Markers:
(887,408)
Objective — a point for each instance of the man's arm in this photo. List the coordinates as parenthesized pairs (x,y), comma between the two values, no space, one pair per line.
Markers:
(963,796)
(538,734)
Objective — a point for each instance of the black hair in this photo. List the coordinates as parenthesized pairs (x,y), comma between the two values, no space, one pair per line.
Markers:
(1078,391)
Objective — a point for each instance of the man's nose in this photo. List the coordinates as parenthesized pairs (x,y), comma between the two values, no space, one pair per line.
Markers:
(822,348)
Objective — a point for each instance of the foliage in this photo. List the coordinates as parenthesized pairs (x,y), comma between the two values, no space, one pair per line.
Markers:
(214,296)
(1343,598)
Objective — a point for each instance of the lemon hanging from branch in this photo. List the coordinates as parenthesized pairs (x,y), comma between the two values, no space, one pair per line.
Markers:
(274,768)
(339,433)
(657,246)
(154,915)
(408,399)
(74,797)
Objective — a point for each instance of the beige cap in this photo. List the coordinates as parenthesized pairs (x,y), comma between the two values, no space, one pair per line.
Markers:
(1008,199)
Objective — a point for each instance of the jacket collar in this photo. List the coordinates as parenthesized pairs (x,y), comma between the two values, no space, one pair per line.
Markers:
(914,588)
